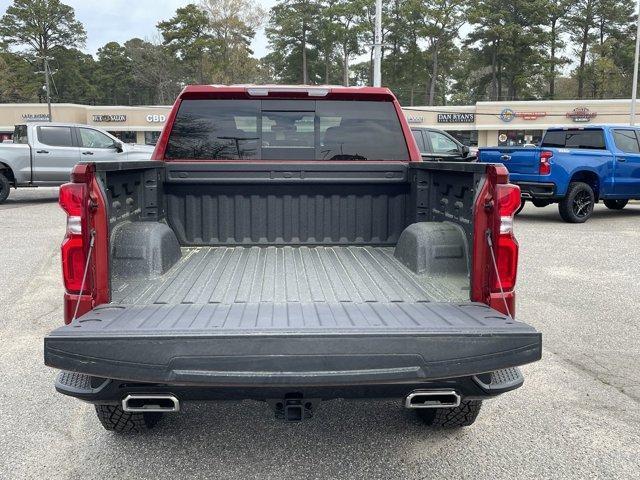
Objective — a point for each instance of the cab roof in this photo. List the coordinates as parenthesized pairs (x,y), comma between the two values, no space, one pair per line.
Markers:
(318,92)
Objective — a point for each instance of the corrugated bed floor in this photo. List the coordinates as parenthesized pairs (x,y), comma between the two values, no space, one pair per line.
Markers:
(227,275)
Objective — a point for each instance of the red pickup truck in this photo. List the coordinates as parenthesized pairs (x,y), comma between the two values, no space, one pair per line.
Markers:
(288,245)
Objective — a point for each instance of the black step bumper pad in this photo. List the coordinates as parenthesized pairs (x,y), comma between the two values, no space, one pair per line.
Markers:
(291,344)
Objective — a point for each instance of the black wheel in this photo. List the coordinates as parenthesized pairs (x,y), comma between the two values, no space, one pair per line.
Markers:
(577,205)
(461,416)
(541,203)
(5,188)
(115,419)
(615,204)
(522,203)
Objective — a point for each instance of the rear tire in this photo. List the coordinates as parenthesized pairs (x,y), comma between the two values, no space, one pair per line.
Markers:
(461,416)
(577,205)
(115,419)
(5,187)
(615,204)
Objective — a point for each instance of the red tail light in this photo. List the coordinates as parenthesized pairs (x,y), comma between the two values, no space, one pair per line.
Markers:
(72,200)
(545,162)
(508,201)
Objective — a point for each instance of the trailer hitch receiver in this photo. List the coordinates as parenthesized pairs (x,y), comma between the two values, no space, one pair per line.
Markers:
(294,407)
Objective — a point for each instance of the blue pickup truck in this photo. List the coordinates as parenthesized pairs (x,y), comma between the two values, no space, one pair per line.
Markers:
(575,168)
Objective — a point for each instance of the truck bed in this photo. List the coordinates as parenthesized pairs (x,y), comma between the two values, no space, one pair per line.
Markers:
(231,277)
(239,275)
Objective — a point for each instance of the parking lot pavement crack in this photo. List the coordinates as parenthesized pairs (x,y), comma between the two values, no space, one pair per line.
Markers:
(42,289)
(595,375)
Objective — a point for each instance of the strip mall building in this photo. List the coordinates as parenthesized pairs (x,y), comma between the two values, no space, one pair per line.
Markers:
(516,123)
(483,124)
(130,124)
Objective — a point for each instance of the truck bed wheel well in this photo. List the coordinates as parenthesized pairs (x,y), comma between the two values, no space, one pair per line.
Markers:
(590,178)
(7,172)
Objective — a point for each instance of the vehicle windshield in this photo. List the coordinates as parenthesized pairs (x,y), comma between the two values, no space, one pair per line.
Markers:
(286,130)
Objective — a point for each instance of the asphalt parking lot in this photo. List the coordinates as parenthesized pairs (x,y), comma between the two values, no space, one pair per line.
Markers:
(577,415)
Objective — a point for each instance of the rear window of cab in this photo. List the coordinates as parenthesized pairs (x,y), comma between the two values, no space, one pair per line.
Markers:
(286,130)
(592,139)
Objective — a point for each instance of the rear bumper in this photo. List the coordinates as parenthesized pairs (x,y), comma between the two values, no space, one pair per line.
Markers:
(536,190)
(107,391)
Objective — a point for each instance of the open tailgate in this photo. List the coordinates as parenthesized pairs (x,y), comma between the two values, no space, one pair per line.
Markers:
(274,344)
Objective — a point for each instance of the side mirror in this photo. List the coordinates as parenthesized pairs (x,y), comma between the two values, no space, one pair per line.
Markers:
(119,147)
(465,151)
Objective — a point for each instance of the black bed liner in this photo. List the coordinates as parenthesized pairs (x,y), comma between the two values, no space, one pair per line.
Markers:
(271,344)
(212,275)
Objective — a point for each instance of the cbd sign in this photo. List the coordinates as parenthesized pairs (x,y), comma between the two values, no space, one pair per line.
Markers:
(156,118)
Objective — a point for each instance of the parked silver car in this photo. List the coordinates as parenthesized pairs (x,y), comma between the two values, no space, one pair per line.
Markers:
(43,154)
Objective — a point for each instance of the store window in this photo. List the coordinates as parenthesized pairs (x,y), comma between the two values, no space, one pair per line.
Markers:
(465,137)
(515,138)
(151,138)
(125,137)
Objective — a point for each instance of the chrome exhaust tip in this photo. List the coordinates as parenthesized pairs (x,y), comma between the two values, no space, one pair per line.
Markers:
(433,399)
(140,403)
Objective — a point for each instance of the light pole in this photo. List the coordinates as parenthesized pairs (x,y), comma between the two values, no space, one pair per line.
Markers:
(377,46)
(47,80)
(634,87)
(47,73)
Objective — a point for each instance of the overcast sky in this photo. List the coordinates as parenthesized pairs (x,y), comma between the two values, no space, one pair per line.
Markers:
(121,20)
